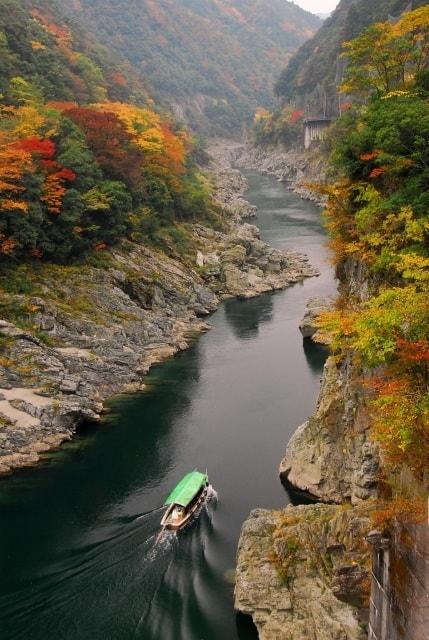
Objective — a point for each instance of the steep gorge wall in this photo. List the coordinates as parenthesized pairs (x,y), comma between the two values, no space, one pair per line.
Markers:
(333,457)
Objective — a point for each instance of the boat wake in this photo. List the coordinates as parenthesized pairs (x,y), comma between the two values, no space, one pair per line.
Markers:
(163,543)
(212,494)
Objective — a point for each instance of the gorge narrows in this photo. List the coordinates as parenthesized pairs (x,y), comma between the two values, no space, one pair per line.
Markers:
(79,533)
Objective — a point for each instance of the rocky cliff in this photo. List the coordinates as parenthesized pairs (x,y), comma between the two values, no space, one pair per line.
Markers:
(303,573)
(295,574)
(331,456)
(74,336)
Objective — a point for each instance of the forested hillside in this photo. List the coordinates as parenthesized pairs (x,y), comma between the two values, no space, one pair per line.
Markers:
(84,159)
(63,60)
(314,72)
(212,61)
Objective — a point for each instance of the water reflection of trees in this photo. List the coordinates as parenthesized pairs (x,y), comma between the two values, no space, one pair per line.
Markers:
(245,316)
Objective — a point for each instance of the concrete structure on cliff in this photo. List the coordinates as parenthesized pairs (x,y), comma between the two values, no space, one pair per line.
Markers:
(315,130)
(399,607)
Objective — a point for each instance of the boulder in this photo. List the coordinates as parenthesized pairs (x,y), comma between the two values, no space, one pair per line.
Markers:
(315,307)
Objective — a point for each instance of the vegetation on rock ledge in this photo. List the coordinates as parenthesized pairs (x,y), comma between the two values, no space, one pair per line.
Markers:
(377,214)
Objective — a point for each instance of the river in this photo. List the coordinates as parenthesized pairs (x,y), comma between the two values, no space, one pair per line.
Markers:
(79,559)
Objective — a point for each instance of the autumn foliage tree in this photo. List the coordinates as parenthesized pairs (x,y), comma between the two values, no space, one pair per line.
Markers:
(75,178)
(110,143)
(389,56)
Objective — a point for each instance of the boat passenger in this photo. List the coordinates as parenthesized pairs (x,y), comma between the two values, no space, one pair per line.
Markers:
(177,514)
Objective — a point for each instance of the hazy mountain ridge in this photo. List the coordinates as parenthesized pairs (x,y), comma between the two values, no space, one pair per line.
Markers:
(212,61)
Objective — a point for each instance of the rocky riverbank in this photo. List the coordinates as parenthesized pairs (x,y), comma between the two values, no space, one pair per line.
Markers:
(72,337)
(296,168)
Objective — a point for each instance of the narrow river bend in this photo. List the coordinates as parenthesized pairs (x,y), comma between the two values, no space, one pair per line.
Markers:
(78,559)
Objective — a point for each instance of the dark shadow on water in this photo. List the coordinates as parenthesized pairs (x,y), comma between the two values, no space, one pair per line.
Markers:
(315,354)
(246,629)
(245,316)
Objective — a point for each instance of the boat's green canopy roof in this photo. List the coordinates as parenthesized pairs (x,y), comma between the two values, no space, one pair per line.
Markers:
(187,489)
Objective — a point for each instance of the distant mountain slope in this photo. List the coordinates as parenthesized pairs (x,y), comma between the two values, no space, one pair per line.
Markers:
(313,72)
(212,61)
(65,62)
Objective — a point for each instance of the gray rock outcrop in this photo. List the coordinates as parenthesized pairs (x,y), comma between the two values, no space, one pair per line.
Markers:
(331,456)
(308,327)
(303,572)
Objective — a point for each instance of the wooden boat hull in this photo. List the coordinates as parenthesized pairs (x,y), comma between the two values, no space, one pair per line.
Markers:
(176,525)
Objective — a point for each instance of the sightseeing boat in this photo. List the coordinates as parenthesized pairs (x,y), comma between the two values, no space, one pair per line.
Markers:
(184,500)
